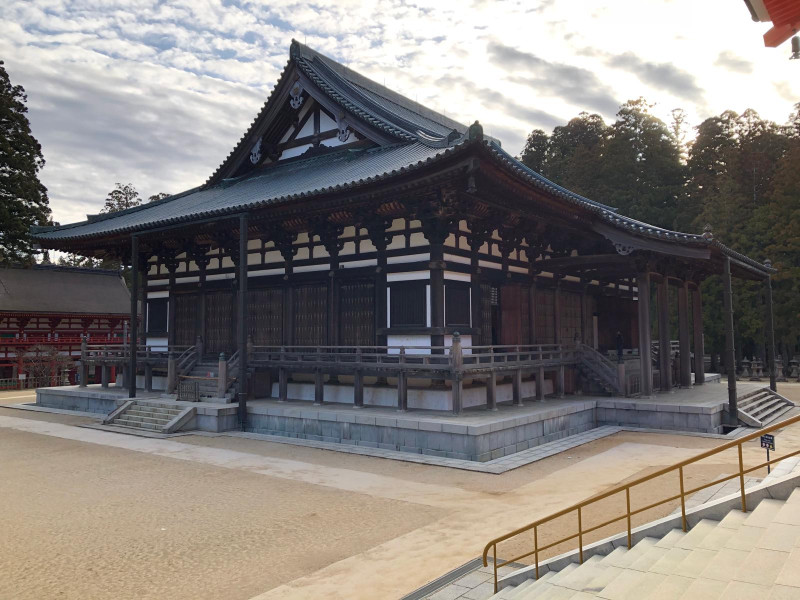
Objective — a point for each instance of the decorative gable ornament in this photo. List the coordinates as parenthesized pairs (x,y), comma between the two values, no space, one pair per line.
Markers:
(255,153)
(296,95)
(344,131)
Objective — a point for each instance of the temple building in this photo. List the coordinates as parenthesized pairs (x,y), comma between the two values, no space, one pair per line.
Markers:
(47,311)
(357,247)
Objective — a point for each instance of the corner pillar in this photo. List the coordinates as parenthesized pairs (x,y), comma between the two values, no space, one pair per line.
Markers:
(646,365)
(241,317)
(770,330)
(134,339)
(664,350)
(730,351)
(683,335)
(697,325)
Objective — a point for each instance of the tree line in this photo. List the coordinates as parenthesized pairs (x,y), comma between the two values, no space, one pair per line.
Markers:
(739,174)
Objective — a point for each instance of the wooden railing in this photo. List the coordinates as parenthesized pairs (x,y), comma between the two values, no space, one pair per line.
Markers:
(436,363)
(602,368)
(578,509)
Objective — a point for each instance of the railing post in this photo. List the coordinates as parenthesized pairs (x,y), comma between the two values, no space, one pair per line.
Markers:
(283,378)
(621,381)
(148,376)
(741,478)
(560,381)
(580,536)
(172,372)
(319,382)
(491,391)
(456,364)
(249,348)
(84,373)
(628,503)
(540,384)
(198,347)
(222,379)
(683,500)
(105,375)
(402,384)
(536,550)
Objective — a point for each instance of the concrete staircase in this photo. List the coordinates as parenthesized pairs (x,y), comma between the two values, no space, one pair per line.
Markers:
(745,555)
(762,407)
(150,415)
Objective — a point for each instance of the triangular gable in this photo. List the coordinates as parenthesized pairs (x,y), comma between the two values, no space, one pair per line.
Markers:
(324,105)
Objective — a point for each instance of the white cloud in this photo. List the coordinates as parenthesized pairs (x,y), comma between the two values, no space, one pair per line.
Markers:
(157,93)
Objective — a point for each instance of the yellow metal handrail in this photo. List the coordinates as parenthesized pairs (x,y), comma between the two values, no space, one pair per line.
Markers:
(578,508)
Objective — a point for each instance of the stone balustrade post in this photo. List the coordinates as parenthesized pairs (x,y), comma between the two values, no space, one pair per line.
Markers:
(456,368)
(84,367)
(198,346)
(623,382)
(172,373)
(222,376)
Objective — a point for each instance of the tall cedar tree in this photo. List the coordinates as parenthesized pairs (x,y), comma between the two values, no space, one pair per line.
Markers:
(23,198)
(739,174)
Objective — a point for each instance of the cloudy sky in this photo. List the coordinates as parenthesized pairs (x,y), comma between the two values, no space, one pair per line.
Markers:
(157,92)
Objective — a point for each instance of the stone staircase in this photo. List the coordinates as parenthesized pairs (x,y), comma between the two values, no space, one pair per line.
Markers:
(762,407)
(745,555)
(150,415)
(205,373)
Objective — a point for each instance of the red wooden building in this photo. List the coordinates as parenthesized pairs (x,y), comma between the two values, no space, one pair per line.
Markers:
(44,312)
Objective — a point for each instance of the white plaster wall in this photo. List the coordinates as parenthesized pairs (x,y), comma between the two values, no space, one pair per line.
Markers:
(408,340)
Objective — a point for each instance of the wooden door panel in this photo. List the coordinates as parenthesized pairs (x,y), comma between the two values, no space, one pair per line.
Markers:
(220,322)
(357,313)
(311,315)
(265,316)
(187,307)
(510,315)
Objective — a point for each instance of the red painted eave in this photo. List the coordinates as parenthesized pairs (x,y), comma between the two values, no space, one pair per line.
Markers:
(785,16)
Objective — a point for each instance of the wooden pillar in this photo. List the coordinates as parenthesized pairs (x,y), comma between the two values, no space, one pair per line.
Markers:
(730,351)
(475,298)
(683,335)
(664,360)
(697,327)
(134,316)
(241,318)
(560,381)
(288,297)
(516,385)
(584,326)
(645,362)
(358,389)
(770,329)
(557,313)
(437,293)
(491,391)
(381,291)
(532,312)
(540,384)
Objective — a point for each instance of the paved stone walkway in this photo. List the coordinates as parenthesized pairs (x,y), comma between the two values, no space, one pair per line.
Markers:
(496,466)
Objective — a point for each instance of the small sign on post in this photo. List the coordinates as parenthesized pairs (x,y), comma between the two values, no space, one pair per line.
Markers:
(768,442)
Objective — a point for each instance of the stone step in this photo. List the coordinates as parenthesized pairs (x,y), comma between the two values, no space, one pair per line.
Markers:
(755,398)
(765,407)
(155,410)
(142,419)
(154,417)
(776,414)
(137,424)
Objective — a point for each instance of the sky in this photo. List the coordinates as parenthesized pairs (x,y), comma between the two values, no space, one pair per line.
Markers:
(157,93)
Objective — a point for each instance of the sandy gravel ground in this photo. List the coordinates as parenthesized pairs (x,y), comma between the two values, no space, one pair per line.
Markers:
(91,514)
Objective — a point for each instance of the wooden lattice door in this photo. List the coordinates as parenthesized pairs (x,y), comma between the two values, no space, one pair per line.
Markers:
(265,316)
(357,313)
(311,315)
(187,308)
(220,322)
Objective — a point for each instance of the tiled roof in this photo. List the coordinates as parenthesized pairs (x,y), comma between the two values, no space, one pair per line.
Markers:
(63,290)
(279,182)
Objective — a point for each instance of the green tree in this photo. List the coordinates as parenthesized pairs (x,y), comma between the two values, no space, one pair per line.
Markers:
(158,196)
(122,197)
(642,172)
(23,198)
